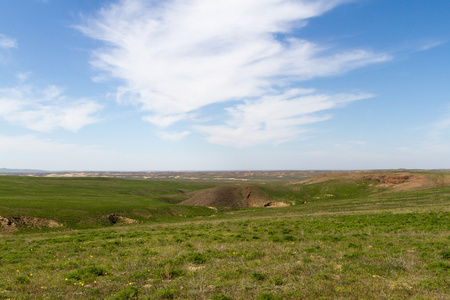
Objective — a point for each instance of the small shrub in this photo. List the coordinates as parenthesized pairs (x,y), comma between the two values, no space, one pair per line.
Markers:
(289,238)
(439,267)
(227,275)
(168,273)
(255,254)
(175,273)
(445,254)
(311,250)
(140,274)
(306,260)
(258,276)
(22,280)
(355,246)
(286,231)
(322,276)
(220,297)
(267,296)
(167,293)
(353,255)
(196,258)
(96,271)
(86,273)
(216,238)
(276,239)
(126,294)
(278,281)
(76,275)
(188,245)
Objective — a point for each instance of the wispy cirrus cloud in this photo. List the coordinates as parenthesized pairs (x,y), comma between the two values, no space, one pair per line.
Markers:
(433,145)
(176,57)
(429,44)
(172,136)
(425,44)
(276,118)
(439,130)
(7,42)
(45,109)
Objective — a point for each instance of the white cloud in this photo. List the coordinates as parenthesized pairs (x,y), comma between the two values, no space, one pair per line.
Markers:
(429,44)
(275,119)
(358,143)
(45,110)
(173,136)
(176,57)
(431,149)
(350,145)
(7,42)
(23,76)
(439,129)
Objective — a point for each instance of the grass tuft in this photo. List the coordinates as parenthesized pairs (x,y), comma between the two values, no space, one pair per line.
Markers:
(129,293)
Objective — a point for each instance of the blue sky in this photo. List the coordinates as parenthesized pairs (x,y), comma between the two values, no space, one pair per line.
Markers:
(137,85)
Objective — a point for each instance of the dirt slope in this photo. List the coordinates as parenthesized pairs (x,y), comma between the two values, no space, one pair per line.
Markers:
(230,196)
(10,224)
(399,181)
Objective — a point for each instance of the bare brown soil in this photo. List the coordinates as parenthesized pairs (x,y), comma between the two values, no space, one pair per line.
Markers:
(115,219)
(400,181)
(276,204)
(10,224)
(231,196)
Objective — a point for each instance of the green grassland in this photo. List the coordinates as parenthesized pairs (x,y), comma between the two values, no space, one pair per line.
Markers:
(343,239)
(86,202)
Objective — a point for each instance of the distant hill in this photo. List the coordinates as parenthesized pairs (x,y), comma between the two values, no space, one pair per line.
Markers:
(8,171)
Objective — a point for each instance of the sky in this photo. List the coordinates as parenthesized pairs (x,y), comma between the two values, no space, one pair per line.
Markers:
(148,85)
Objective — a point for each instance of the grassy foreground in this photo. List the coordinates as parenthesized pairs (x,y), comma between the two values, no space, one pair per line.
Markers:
(360,256)
(356,244)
